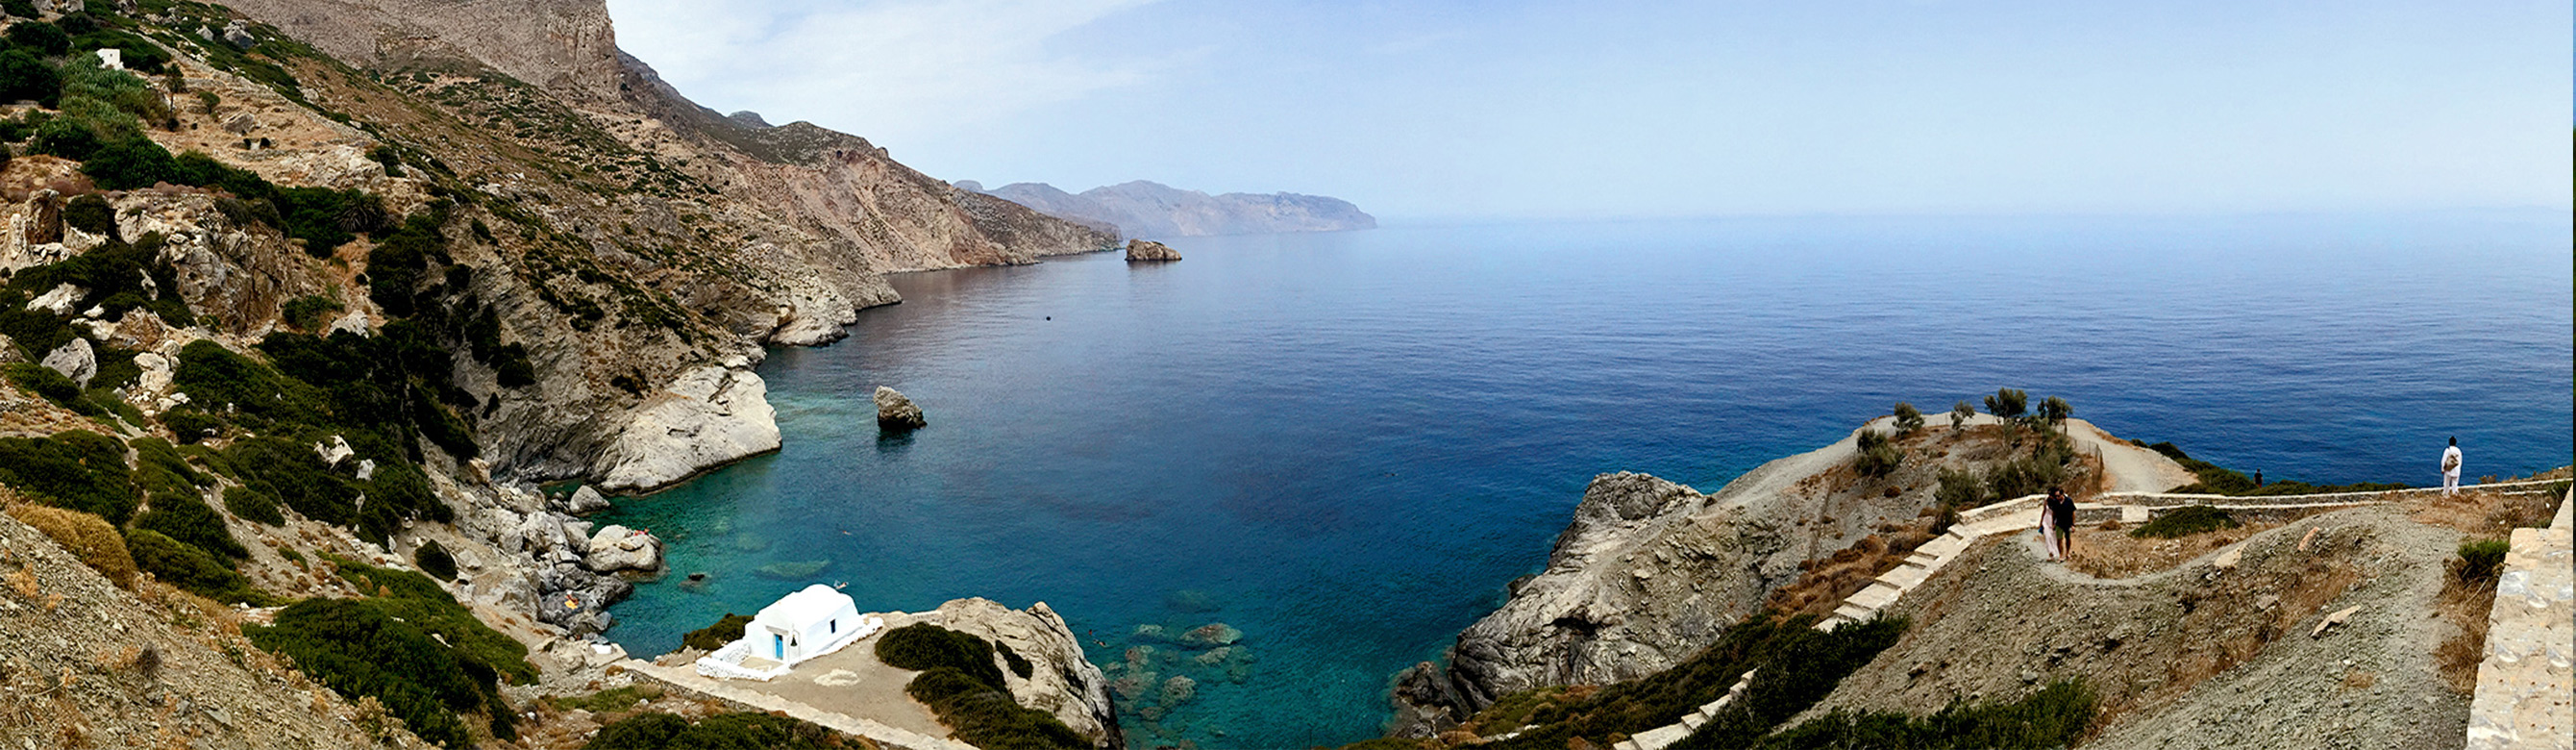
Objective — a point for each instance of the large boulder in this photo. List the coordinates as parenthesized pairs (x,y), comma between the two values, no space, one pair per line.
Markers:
(896,413)
(617,548)
(585,501)
(1150,251)
(578,599)
(74,360)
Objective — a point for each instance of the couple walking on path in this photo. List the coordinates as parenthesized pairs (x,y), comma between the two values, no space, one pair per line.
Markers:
(2057,525)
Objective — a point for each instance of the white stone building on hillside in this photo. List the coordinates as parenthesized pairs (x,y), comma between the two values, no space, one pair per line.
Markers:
(809,623)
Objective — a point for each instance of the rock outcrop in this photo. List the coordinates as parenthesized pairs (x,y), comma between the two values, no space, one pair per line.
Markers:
(617,548)
(74,360)
(584,501)
(1150,251)
(896,413)
(1065,684)
(709,417)
(1648,572)
(1147,209)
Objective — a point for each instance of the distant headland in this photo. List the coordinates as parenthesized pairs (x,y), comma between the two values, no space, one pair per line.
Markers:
(1148,209)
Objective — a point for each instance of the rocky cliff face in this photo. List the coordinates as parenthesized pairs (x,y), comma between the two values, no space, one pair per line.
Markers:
(1066,684)
(1648,572)
(1147,209)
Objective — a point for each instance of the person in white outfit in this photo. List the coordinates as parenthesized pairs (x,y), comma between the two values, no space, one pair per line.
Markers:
(2451,468)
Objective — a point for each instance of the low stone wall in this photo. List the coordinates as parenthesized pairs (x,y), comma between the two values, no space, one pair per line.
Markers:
(2526,694)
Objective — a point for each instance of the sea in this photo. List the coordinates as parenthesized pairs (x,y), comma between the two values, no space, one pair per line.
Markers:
(1345,445)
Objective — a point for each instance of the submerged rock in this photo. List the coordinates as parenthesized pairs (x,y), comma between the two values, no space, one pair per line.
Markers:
(1212,634)
(794,571)
(896,413)
(1150,251)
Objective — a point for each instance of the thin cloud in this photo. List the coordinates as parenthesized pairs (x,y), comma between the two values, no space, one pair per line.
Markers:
(887,70)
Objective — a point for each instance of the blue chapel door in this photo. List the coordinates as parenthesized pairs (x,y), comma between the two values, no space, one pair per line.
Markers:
(777,646)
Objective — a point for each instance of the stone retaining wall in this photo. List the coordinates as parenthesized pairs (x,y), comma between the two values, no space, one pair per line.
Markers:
(2523,698)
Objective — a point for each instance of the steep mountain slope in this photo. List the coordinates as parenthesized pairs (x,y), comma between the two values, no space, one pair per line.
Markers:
(359,289)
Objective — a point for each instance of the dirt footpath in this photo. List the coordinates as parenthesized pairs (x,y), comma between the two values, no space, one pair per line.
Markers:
(2215,653)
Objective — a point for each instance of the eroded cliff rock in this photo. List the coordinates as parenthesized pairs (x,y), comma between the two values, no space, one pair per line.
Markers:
(708,417)
(1065,683)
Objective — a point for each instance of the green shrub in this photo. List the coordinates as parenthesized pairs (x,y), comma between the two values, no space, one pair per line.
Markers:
(129,164)
(2480,559)
(434,560)
(75,469)
(726,731)
(40,37)
(360,650)
(419,601)
(961,684)
(19,8)
(26,76)
(186,518)
(726,630)
(253,505)
(1665,697)
(2185,521)
(191,425)
(187,567)
(305,313)
(2054,717)
(984,715)
(52,386)
(1805,671)
(1908,419)
(2008,403)
(1960,489)
(2055,410)
(90,213)
(1877,455)
(1019,665)
(922,647)
(87,536)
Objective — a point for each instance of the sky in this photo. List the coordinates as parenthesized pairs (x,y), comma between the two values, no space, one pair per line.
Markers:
(1607,109)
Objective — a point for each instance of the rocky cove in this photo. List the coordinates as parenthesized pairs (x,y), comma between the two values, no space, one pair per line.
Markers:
(367,302)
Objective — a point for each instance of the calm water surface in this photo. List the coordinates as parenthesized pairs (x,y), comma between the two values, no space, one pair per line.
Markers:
(1346,444)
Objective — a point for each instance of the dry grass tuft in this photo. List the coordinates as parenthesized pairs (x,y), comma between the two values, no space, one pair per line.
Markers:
(87,536)
(2468,596)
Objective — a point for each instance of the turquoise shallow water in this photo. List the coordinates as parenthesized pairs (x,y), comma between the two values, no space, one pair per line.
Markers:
(1346,444)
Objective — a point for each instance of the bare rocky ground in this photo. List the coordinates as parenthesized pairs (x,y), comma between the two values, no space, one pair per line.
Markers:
(2214,653)
(84,664)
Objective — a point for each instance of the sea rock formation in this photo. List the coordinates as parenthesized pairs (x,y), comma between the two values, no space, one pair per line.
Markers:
(1149,250)
(896,413)
(709,417)
(1147,209)
(1065,684)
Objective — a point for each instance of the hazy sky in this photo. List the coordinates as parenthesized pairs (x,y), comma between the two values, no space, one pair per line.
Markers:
(1632,109)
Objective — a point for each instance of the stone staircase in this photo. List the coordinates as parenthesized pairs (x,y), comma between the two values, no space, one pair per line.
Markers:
(2017,515)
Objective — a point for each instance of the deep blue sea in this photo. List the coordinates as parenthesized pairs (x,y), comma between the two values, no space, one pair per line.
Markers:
(1346,444)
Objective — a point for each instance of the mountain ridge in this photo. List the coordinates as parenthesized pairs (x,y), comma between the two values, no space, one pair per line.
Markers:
(1147,209)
